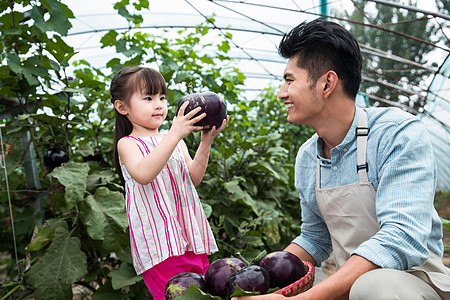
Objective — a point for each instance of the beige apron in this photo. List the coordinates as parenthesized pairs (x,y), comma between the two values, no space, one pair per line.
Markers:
(350,215)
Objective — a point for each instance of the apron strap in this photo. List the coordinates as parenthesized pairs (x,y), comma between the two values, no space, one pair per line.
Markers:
(362,131)
(318,173)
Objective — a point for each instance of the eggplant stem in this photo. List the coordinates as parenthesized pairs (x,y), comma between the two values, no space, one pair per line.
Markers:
(238,254)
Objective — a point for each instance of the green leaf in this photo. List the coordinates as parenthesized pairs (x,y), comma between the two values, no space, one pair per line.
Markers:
(121,3)
(256,260)
(106,292)
(237,193)
(33,68)
(207,209)
(12,31)
(116,238)
(254,241)
(194,293)
(13,61)
(45,233)
(51,120)
(73,176)
(141,4)
(109,39)
(263,165)
(225,46)
(113,63)
(59,49)
(226,151)
(123,12)
(101,177)
(260,139)
(85,150)
(37,14)
(124,276)
(239,292)
(63,264)
(104,210)
(58,20)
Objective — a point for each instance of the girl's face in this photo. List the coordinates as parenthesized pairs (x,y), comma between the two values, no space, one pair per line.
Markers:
(146,111)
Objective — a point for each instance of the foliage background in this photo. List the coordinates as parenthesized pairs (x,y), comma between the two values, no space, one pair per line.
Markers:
(80,238)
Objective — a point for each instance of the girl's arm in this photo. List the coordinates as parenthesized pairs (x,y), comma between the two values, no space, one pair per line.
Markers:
(197,166)
(145,169)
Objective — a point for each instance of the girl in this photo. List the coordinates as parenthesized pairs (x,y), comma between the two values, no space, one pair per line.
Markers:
(169,232)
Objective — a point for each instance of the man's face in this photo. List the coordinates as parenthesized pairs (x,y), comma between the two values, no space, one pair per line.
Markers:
(298,95)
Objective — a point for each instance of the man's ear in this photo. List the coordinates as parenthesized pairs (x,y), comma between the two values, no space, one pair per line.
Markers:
(121,107)
(329,83)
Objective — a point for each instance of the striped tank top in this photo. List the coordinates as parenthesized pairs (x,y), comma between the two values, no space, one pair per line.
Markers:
(165,216)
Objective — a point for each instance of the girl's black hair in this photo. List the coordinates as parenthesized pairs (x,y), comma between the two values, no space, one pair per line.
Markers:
(321,46)
(124,84)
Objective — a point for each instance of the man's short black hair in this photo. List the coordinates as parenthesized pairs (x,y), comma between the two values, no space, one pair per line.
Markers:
(321,46)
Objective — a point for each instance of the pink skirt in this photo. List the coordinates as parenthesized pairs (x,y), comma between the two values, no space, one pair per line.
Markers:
(156,278)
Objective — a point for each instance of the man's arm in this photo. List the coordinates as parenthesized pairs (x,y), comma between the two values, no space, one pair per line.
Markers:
(338,285)
(301,253)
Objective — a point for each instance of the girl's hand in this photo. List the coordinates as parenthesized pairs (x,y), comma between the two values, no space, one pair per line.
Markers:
(184,124)
(209,135)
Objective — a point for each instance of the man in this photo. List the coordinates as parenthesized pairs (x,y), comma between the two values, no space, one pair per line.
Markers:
(366,179)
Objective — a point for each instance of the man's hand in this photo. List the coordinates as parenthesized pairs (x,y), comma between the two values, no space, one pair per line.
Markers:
(261,297)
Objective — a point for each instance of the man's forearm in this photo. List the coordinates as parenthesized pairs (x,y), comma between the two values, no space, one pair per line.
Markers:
(338,285)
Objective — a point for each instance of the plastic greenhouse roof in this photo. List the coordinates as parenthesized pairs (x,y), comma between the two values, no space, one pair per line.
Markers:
(437,119)
(256,27)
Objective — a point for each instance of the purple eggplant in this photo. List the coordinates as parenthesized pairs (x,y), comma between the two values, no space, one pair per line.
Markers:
(211,104)
(179,284)
(250,279)
(219,271)
(284,268)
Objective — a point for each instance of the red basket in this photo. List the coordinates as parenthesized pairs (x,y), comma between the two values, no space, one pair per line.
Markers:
(301,285)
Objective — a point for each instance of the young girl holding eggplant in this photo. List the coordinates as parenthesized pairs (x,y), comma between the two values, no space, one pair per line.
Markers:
(169,232)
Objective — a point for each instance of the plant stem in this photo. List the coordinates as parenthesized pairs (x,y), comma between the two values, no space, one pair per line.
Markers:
(10,292)
(238,254)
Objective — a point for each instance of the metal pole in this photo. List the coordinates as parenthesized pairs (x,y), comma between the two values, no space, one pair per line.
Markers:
(324,9)
(8,195)
(32,175)
(412,8)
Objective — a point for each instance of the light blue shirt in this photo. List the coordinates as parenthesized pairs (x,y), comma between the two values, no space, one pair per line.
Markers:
(403,173)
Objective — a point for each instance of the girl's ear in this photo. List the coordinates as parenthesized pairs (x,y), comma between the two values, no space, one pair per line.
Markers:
(121,107)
